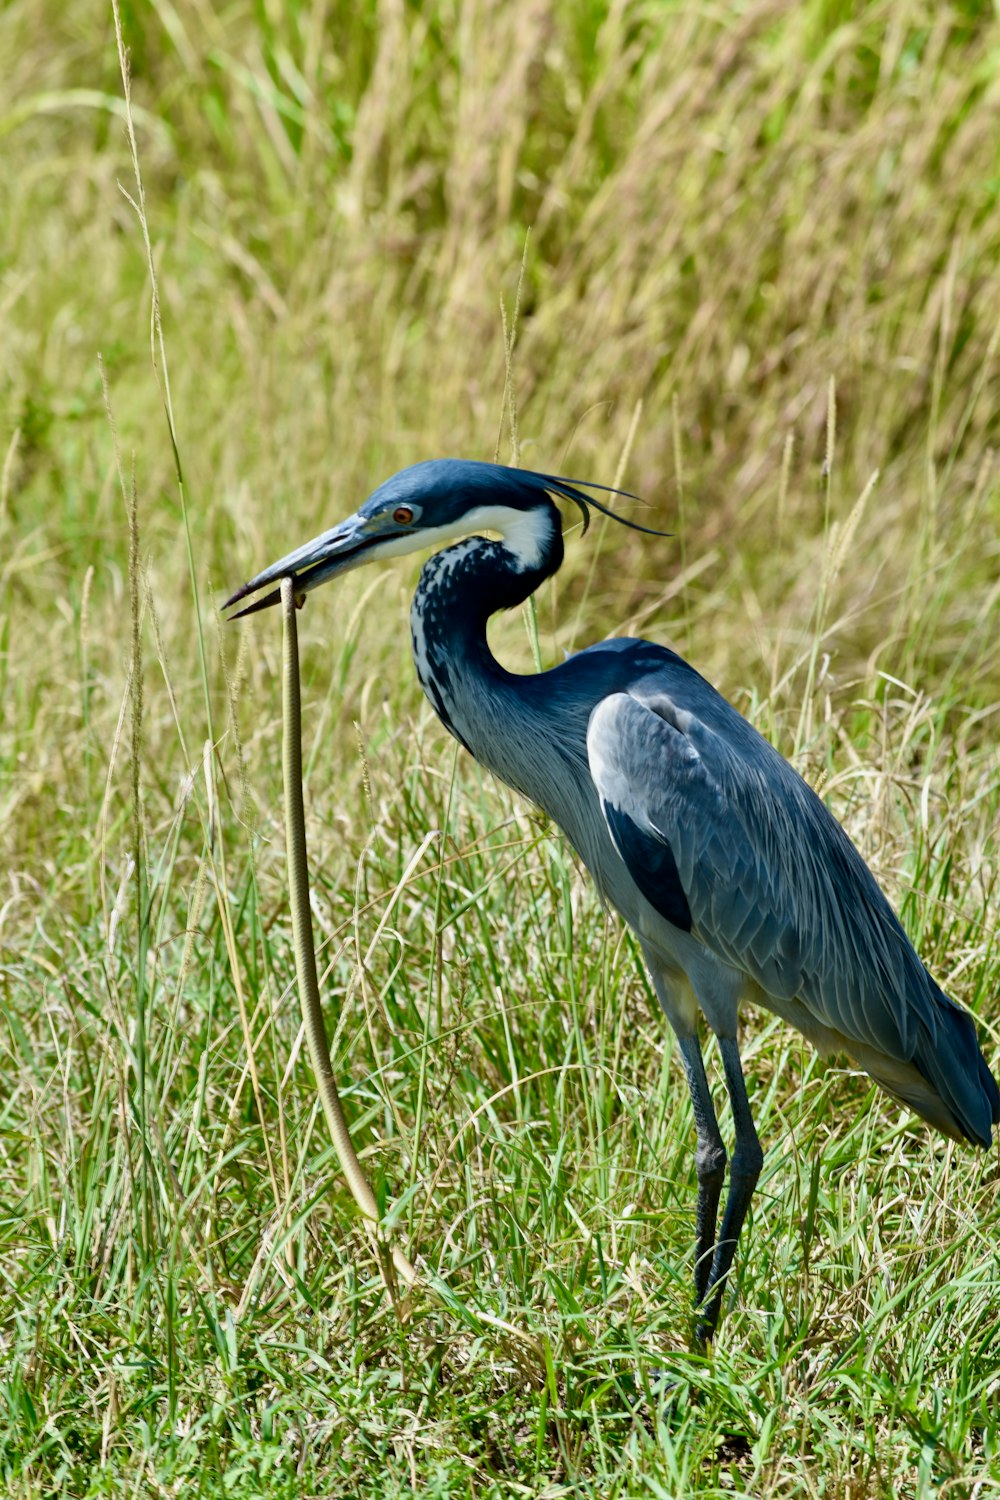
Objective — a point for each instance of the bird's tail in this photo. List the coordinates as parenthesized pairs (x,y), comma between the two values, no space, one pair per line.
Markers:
(948,1082)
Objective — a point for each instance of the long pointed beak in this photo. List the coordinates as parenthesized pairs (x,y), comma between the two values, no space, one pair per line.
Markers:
(336,551)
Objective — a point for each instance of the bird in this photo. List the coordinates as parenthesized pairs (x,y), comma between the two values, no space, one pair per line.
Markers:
(737,881)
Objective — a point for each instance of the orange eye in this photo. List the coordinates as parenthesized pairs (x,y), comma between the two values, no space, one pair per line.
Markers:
(403,515)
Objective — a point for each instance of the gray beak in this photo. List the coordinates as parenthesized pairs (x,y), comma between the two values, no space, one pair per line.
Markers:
(336,551)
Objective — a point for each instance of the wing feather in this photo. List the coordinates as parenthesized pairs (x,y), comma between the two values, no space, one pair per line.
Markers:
(772,883)
(769,881)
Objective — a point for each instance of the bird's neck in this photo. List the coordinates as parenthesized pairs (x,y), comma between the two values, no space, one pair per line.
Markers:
(458,591)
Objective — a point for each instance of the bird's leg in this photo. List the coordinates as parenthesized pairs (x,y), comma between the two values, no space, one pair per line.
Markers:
(710,1163)
(744,1170)
(681,1008)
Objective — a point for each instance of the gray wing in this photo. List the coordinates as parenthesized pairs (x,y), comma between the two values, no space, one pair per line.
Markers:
(725,839)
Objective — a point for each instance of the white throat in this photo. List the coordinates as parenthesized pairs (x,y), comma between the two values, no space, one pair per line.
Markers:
(525,533)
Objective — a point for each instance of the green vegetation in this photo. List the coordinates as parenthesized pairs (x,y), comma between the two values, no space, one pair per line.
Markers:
(762,265)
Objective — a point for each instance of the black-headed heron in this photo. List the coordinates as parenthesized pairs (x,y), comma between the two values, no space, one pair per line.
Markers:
(737,881)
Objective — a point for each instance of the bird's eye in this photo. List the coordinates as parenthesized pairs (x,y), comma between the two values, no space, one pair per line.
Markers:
(403,515)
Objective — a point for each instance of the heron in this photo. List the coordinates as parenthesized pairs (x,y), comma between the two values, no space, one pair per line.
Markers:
(737,881)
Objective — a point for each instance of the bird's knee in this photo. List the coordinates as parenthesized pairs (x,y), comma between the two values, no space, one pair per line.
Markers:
(710,1163)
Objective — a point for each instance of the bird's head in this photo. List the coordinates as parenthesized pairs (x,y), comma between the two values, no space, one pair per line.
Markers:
(427,506)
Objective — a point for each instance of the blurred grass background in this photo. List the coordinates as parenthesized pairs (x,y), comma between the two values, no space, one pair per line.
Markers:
(760,251)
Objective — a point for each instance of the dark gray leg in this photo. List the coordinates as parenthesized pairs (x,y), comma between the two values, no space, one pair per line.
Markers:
(710,1163)
(744,1170)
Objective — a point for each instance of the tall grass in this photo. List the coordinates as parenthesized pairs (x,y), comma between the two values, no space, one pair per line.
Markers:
(761,285)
